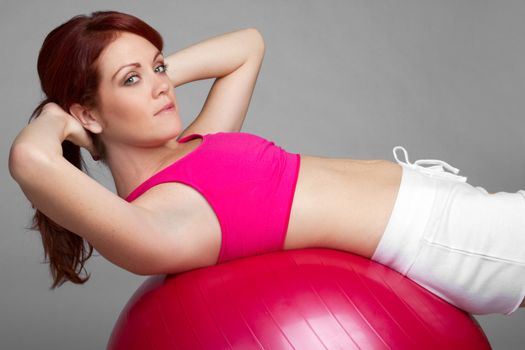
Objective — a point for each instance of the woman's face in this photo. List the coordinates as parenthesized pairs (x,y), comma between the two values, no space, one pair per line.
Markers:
(133,88)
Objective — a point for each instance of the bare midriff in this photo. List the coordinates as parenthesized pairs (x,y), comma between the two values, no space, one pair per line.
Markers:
(342,203)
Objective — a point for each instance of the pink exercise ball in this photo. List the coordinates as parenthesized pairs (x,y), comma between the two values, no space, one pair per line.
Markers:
(296,299)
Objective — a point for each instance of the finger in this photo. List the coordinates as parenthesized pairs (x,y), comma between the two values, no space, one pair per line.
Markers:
(92,150)
(84,140)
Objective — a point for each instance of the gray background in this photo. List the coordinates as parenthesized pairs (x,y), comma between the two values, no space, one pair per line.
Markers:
(445,79)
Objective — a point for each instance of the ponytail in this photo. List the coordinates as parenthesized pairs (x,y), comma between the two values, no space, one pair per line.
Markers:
(66,251)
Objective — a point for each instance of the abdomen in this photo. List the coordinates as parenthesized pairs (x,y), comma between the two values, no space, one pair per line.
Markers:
(342,203)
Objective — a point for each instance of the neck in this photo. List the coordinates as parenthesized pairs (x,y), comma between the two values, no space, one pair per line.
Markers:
(130,166)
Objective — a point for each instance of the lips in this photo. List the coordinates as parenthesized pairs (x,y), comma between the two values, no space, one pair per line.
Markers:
(170,106)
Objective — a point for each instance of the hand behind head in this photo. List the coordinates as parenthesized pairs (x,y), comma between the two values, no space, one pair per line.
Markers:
(73,130)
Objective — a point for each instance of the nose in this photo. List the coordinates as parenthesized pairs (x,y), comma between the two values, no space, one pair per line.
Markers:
(161,85)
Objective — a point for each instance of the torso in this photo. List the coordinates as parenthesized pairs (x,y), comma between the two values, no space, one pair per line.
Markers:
(342,203)
(338,203)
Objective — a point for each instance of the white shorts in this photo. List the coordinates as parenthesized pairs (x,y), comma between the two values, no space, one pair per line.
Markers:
(458,241)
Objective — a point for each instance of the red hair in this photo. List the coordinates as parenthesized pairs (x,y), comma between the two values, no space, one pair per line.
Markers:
(68,71)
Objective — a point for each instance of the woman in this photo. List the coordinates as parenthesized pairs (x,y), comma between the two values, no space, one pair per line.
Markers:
(209,193)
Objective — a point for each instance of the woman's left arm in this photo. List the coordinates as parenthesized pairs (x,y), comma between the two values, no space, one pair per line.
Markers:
(234,59)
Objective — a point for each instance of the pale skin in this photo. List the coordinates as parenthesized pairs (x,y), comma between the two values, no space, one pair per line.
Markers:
(338,202)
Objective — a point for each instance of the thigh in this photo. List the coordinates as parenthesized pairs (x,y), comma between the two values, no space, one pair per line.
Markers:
(469,219)
(472,251)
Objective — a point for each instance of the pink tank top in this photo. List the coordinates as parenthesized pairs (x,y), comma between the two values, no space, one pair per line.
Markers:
(248,181)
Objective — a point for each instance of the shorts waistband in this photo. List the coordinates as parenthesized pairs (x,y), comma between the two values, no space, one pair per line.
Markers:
(401,241)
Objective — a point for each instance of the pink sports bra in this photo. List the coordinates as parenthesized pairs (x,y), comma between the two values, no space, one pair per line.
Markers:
(248,181)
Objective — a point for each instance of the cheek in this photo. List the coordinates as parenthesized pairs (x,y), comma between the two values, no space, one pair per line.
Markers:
(127,106)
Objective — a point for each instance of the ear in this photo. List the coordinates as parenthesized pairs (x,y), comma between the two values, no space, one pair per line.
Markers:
(86,117)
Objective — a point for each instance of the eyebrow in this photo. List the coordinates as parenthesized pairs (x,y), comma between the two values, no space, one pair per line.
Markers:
(136,64)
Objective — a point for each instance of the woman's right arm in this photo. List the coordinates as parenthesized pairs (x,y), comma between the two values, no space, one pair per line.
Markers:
(127,235)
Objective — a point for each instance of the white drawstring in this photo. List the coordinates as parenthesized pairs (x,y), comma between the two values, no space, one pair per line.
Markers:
(437,170)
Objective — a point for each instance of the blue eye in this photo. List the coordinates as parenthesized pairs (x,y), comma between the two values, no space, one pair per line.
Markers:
(164,67)
(129,79)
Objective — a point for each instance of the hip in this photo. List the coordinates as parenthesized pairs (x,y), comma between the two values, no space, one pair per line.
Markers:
(458,241)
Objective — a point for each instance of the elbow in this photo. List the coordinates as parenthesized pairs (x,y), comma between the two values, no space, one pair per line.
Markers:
(16,156)
(258,39)
(27,163)
(21,160)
